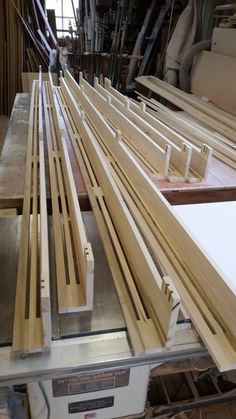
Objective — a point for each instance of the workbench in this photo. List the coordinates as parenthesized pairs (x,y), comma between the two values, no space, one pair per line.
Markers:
(94,340)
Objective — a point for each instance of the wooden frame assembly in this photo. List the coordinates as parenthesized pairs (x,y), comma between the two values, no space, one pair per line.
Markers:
(32,319)
(73,253)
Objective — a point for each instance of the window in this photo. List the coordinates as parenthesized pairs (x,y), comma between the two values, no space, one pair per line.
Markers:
(64,15)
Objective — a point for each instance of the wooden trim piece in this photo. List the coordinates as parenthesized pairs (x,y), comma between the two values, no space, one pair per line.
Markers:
(45,303)
(216,118)
(74,258)
(179,157)
(200,159)
(154,294)
(155,155)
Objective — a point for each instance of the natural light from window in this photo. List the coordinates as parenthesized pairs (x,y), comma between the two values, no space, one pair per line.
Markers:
(64,15)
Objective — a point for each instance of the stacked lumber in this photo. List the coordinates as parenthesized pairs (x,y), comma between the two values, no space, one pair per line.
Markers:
(202,123)
(123,196)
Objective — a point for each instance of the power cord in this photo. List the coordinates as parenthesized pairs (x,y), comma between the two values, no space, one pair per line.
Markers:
(45,399)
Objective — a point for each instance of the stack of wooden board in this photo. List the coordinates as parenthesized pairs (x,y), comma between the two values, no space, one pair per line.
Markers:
(113,174)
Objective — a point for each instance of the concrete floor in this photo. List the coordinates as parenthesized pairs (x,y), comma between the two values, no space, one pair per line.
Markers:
(4,122)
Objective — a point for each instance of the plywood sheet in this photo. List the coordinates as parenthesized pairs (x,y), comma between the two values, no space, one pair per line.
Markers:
(214,77)
(224,41)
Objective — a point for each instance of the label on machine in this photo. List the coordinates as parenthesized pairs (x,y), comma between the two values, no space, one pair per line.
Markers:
(90,382)
(93,404)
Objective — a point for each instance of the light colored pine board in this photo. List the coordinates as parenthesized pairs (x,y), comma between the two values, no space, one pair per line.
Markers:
(214,77)
(45,303)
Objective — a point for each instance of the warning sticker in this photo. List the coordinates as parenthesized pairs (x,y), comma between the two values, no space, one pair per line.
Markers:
(89,382)
(94,404)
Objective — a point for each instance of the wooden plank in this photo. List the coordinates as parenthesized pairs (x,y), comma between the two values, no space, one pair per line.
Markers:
(213,77)
(45,304)
(224,41)
(214,117)
(136,252)
(154,154)
(179,157)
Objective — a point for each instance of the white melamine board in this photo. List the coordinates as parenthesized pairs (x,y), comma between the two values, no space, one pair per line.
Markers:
(214,225)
